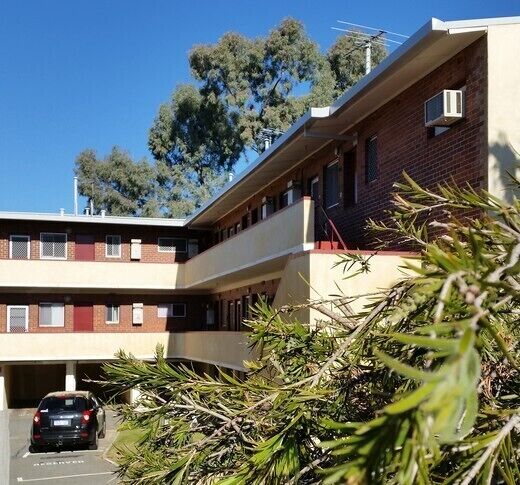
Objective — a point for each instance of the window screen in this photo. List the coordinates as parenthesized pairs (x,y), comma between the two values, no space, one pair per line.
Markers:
(113,246)
(371,172)
(169,310)
(19,247)
(112,314)
(52,315)
(332,184)
(172,245)
(53,245)
(193,248)
(18,317)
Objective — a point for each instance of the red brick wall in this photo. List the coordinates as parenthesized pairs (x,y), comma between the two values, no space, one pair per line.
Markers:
(148,236)
(221,300)
(403,144)
(194,320)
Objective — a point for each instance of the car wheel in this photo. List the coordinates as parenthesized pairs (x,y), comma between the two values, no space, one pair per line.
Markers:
(94,444)
(103,430)
(35,449)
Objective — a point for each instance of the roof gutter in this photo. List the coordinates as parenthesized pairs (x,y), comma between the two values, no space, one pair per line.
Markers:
(299,126)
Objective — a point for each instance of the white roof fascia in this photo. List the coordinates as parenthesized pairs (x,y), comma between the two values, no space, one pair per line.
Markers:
(313,113)
(474,23)
(122,220)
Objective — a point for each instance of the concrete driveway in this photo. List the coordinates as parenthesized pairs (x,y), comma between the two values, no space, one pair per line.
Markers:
(68,467)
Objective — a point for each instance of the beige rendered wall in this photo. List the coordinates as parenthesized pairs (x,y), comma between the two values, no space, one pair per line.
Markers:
(317,268)
(503,43)
(89,274)
(228,349)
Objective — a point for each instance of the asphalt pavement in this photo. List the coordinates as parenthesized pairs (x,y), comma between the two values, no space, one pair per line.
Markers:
(71,466)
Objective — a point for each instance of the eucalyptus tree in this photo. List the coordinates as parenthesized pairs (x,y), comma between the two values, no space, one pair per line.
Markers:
(117,183)
(240,88)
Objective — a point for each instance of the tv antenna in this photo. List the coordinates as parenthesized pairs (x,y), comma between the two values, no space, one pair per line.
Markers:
(365,40)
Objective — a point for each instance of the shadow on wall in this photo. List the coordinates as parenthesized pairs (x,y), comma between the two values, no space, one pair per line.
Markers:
(504,160)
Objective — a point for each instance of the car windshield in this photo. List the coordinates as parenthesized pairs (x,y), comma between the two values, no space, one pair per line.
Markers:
(64,403)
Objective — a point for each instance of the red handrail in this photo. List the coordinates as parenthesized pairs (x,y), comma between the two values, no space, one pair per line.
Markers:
(334,230)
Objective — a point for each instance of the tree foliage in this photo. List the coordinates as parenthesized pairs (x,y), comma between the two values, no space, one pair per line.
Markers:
(240,86)
(118,184)
(420,387)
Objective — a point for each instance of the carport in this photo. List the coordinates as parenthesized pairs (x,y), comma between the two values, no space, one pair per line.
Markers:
(92,371)
(26,384)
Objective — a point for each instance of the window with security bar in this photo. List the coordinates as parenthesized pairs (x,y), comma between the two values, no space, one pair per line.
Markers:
(371,169)
(172,245)
(52,315)
(53,245)
(113,246)
(19,247)
(17,318)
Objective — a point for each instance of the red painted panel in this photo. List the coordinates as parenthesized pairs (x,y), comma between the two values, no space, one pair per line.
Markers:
(83,317)
(85,250)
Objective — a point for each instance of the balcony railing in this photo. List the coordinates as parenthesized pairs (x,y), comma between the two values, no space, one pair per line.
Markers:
(54,275)
(227,349)
(263,247)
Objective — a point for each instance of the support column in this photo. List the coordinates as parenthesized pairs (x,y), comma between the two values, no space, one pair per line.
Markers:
(70,376)
(5,448)
(3,389)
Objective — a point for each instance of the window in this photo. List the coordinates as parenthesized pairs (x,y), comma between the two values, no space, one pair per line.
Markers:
(245,221)
(169,310)
(53,245)
(313,188)
(193,248)
(284,199)
(19,247)
(254,216)
(172,245)
(350,185)
(267,207)
(17,318)
(113,246)
(237,227)
(52,315)
(112,314)
(332,184)
(371,159)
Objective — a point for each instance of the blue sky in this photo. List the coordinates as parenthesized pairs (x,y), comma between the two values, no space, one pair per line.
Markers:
(92,73)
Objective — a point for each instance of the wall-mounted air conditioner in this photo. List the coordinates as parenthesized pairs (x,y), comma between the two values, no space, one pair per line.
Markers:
(444,108)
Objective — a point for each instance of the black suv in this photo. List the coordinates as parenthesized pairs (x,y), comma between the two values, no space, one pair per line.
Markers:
(68,418)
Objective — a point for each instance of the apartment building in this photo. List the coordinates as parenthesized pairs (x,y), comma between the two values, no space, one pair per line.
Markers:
(75,289)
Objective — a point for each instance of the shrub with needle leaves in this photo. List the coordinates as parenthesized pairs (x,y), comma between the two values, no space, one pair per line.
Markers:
(423,386)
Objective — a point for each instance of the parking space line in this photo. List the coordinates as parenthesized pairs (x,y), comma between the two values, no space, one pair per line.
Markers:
(20,479)
(53,453)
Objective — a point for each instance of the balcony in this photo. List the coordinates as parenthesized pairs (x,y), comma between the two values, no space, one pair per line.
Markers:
(260,250)
(38,275)
(227,349)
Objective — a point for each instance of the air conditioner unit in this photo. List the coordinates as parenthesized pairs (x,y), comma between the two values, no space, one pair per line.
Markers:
(445,108)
